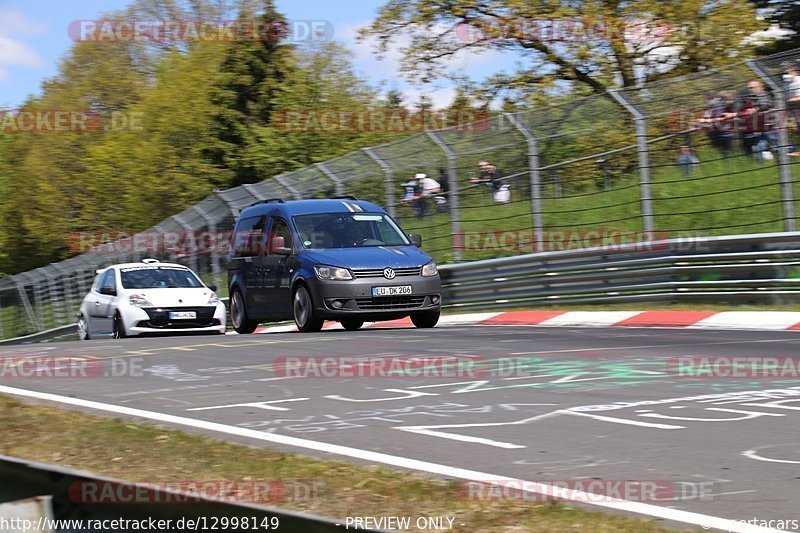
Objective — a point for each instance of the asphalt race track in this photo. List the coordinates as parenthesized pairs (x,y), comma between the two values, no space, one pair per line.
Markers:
(574,411)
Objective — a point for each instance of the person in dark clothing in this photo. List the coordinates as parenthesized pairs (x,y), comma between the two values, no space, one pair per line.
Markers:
(751,115)
(718,120)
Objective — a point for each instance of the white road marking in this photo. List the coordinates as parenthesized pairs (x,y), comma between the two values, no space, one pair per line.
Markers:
(753,454)
(258,405)
(705,521)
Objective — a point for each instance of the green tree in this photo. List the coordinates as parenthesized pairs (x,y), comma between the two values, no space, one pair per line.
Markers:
(253,80)
(50,167)
(604,47)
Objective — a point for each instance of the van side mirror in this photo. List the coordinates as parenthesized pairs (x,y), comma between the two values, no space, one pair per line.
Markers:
(109,291)
(213,287)
(416,239)
(278,246)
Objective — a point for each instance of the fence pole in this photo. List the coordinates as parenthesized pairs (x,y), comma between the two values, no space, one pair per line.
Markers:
(331,176)
(388,179)
(35,323)
(252,191)
(452,198)
(642,147)
(288,186)
(211,223)
(66,287)
(188,229)
(535,179)
(784,163)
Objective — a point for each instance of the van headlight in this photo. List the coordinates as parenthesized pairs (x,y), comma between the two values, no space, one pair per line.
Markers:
(332,273)
(213,299)
(430,269)
(138,300)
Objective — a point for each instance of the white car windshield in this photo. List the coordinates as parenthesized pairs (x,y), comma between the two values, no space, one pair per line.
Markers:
(348,230)
(154,277)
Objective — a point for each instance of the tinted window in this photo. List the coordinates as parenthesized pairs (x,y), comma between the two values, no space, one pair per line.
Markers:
(154,277)
(248,237)
(348,230)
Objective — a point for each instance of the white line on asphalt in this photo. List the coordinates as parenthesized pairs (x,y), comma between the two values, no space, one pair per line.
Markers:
(751,454)
(705,521)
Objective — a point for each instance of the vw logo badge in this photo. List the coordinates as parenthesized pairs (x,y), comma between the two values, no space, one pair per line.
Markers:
(388,273)
(180,301)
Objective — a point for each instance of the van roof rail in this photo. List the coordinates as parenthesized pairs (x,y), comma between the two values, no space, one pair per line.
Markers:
(269,201)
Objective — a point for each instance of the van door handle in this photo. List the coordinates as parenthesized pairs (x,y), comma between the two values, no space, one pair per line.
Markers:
(97,303)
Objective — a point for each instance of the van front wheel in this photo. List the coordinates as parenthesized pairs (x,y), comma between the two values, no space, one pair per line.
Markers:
(303,309)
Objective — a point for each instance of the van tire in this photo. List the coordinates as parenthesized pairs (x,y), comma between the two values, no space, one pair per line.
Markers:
(303,310)
(241,323)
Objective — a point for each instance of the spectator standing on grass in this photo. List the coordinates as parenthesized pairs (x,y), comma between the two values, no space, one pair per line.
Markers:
(717,120)
(424,189)
(751,113)
(791,78)
(687,161)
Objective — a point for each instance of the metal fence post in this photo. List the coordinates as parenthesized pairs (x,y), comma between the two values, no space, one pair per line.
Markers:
(212,228)
(388,179)
(452,179)
(66,287)
(642,148)
(784,163)
(288,186)
(36,324)
(188,229)
(234,211)
(252,191)
(535,178)
(331,176)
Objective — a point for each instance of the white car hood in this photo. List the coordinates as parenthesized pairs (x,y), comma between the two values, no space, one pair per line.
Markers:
(167,297)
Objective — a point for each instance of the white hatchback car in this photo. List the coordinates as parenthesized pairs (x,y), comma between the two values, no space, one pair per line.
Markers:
(149,297)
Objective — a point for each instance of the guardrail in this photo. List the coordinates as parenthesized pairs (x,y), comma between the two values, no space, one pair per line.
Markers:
(740,269)
(737,269)
(20,480)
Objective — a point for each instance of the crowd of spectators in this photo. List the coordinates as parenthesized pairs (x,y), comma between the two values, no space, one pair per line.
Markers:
(749,116)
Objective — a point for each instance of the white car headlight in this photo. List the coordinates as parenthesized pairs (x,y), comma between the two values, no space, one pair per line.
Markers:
(332,273)
(213,299)
(430,269)
(139,301)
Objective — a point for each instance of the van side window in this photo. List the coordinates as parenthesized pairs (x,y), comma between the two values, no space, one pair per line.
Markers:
(248,237)
(281,230)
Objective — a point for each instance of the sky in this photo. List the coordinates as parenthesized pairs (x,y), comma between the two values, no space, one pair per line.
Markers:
(34,39)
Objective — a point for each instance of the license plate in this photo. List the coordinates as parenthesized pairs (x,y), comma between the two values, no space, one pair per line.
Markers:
(182,315)
(391,291)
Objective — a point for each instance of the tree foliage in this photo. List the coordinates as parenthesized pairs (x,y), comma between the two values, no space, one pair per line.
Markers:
(591,45)
(180,120)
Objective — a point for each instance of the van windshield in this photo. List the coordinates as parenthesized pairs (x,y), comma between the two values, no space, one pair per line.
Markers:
(348,230)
